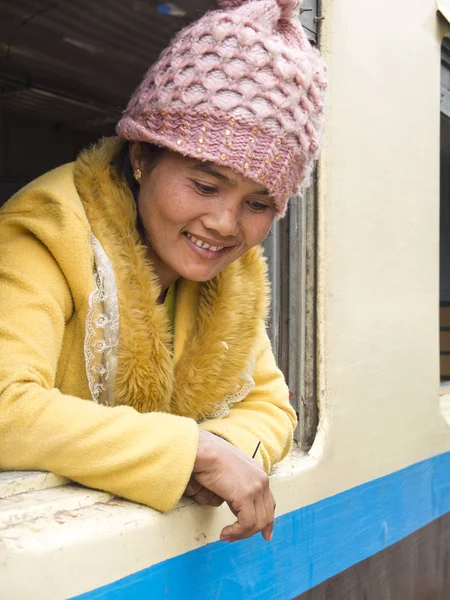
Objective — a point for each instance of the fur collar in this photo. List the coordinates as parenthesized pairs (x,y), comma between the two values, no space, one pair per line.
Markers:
(227,309)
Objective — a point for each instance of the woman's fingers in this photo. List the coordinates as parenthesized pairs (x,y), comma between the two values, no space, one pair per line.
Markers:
(267,532)
(207,498)
(201,495)
(192,488)
(244,527)
(261,518)
(270,505)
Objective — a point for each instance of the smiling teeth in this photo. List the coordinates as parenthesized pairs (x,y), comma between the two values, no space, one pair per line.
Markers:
(201,244)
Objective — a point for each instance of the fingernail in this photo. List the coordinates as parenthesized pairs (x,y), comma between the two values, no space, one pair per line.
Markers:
(225,538)
(270,536)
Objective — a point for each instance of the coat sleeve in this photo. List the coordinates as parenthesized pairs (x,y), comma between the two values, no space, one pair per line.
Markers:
(265,415)
(147,458)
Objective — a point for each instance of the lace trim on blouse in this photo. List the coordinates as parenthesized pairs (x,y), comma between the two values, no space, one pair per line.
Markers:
(241,391)
(102,329)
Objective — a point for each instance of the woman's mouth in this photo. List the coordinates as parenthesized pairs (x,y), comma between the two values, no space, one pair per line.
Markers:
(202,244)
(203,248)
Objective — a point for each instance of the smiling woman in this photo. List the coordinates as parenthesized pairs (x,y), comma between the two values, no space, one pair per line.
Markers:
(133,350)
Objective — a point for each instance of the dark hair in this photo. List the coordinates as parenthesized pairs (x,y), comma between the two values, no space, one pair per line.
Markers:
(124,168)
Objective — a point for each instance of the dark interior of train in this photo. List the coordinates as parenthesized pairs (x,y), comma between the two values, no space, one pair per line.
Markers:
(67,69)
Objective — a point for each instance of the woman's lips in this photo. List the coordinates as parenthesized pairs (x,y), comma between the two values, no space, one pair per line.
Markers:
(209,252)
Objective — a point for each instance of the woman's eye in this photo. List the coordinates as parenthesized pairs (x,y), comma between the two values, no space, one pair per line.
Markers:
(205,189)
(258,206)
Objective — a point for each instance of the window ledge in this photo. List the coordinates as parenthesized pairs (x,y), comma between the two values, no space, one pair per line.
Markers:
(48,524)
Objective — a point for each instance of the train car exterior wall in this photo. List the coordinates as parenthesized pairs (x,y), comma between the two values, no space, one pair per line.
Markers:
(365,513)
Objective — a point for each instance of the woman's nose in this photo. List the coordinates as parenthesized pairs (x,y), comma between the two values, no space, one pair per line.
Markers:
(225,221)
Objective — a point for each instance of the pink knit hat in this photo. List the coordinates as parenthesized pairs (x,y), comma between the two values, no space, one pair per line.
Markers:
(241,87)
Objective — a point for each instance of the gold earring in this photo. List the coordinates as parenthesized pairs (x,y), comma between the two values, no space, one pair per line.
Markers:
(137,174)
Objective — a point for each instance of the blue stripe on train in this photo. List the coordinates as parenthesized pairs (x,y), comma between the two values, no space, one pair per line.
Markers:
(309,546)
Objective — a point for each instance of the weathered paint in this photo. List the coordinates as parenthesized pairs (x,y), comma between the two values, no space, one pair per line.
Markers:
(18,482)
(310,545)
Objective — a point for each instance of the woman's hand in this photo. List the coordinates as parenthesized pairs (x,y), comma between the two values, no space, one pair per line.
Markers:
(222,472)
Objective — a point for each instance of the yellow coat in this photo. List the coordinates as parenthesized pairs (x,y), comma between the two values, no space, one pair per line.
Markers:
(219,360)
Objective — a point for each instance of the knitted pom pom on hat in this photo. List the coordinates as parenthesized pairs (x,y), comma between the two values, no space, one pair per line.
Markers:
(241,87)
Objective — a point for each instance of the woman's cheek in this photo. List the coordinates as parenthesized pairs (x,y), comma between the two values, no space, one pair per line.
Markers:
(262,228)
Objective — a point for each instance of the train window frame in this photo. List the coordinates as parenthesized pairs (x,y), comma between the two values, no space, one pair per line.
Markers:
(444,236)
(291,252)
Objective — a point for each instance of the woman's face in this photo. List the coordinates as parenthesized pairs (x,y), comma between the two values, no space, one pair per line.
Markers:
(199,217)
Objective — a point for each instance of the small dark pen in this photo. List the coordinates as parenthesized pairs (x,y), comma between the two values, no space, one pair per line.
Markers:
(256,449)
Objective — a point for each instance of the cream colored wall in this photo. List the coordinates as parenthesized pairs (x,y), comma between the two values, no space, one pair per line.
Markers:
(378,295)
(379,250)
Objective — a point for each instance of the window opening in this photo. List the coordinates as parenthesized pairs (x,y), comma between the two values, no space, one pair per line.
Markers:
(71,109)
